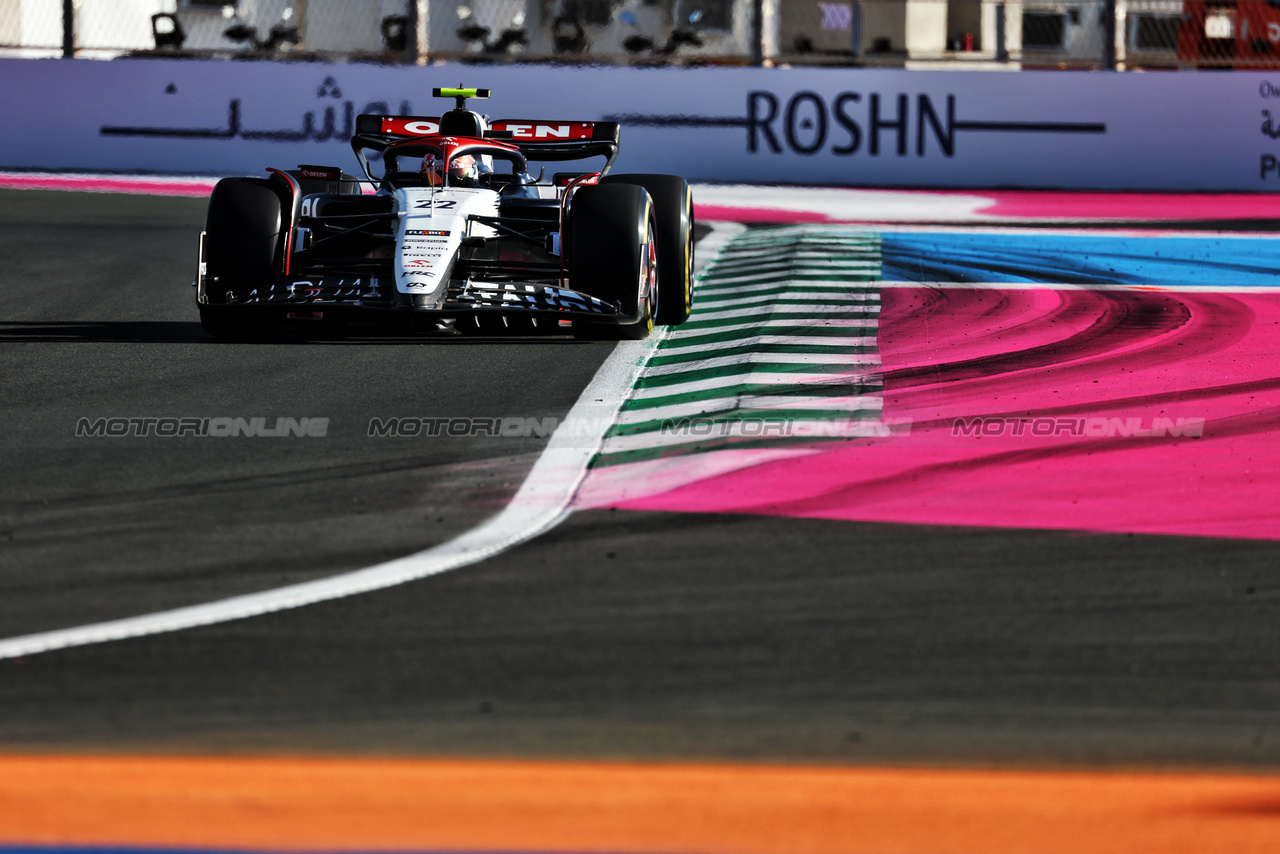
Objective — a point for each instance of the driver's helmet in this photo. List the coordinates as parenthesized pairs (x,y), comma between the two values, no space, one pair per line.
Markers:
(463,171)
(433,170)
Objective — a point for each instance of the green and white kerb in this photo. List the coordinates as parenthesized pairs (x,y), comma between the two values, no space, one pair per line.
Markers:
(780,349)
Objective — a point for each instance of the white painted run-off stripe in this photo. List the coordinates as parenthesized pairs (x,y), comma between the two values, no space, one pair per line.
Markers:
(679,349)
(799,312)
(721,280)
(753,402)
(853,426)
(789,257)
(811,261)
(805,302)
(726,382)
(760,362)
(784,289)
(789,323)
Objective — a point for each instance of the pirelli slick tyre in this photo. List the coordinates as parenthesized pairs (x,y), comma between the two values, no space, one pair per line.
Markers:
(244,234)
(673,207)
(614,256)
(245,229)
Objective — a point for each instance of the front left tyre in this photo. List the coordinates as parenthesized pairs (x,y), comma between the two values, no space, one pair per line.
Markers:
(673,207)
(614,256)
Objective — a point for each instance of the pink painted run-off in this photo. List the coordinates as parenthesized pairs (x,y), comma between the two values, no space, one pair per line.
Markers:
(152,186)
(1076,354)
(724,213)
(1015,206)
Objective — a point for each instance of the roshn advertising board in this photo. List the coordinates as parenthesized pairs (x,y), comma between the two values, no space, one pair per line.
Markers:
(851,127)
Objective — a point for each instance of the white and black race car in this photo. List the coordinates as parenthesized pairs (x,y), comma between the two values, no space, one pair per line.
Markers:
(459,236)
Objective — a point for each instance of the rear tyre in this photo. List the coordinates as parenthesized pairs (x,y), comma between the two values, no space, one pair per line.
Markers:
(673,206)
(243,246)
(614,256)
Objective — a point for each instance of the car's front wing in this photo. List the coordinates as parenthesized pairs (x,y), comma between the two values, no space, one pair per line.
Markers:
(376,295)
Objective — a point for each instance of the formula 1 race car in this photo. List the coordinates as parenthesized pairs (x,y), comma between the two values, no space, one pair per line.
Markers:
(459,236)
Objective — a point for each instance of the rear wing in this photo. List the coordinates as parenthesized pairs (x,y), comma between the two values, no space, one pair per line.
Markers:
(537,139)
(520,131)
(543,132)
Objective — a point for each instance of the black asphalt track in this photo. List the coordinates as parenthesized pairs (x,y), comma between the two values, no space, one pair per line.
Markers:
(618,634)
(99,321)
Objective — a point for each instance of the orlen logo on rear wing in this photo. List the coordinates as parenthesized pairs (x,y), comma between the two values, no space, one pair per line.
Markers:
(516,131)
(538,131)
(408,126)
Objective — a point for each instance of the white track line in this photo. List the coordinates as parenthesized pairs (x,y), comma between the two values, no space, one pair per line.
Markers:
(542,503)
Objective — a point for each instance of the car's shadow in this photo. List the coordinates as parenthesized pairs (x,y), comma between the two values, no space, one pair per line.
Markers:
(101,332)
(189,332)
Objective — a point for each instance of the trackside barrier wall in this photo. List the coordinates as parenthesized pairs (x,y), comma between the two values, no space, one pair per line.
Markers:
(862,127)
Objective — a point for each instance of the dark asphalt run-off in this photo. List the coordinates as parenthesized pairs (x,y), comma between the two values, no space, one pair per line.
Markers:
(618,634)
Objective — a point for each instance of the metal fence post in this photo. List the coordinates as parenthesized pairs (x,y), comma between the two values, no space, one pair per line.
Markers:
(757,32)
(855,29)
(68,29)
(1002,48)
(300,21)
(1109,48)
(422,30)
(411,32)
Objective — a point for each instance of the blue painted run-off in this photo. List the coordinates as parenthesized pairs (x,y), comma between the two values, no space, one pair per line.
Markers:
(1052,257)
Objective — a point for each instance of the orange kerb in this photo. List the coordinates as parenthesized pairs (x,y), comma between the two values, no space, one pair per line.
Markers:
(410,805)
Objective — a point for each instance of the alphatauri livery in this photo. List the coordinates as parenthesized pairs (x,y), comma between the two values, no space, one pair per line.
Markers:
(459,234)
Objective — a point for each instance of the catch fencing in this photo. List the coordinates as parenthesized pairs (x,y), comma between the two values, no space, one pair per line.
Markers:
(1012,34)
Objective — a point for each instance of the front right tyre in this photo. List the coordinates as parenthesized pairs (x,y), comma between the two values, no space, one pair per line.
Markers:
(243,245)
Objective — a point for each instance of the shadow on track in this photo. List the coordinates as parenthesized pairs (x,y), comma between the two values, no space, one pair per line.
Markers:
(174,332)
(103,332)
